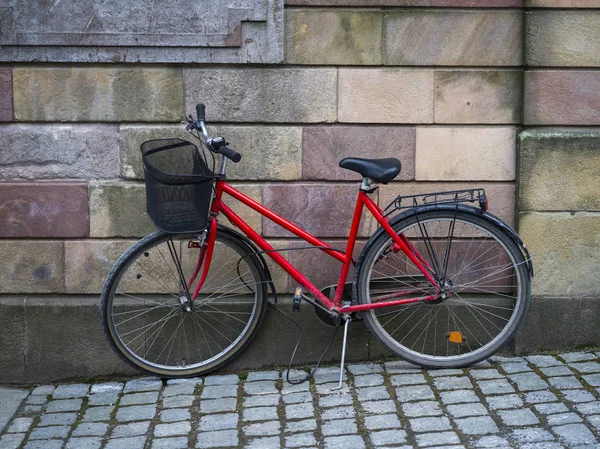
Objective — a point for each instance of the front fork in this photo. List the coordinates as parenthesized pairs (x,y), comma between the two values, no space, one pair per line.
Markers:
(207,246)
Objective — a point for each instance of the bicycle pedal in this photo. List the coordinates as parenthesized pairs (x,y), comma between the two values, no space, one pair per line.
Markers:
(297,299)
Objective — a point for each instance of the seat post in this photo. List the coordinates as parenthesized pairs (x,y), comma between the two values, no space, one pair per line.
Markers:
(366,185)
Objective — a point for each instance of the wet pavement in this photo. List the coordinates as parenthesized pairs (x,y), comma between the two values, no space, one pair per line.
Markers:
(539,401)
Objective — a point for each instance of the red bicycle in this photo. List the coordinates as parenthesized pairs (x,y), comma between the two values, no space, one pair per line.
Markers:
(441,283)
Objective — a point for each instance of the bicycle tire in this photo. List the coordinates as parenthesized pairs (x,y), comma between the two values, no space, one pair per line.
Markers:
(144,318)
(482,268)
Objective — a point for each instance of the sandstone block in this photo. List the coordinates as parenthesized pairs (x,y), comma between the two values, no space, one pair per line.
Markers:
(565,250)
(559,169)
(250,216)
(44,210)
(129,94)
(447,37)
(118,210)
(6,94)
(323,147)
(489,96)
(444,3)
(132,136)
(463,153)
(342,37)
(562,97)
(31,266)
(501,196)
(385,96)
(87,263)
(563,38)
(58,151)
(263,95)
(323,210)
(268,152)
(561,3)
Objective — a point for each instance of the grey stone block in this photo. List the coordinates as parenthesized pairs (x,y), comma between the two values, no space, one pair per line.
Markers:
(211,423)
(344,441)
(59,151)
(136,413)
(432,424)
(504,401)
(262,375)
(300,411)
(44,444)
(130,430)
(103,413)
(462,410)
(379,407)
(521,417)
(529,435)
(260,401)
(254,95)
(479,425)
(338,413)
(129,443)
(387,437)
(12,362)
(172,429)
(575,434)
(178,401)
(563,418)
(66,405)
(368,380)
(408,379)
(551,407)
(426,408)
(170,443)
(224,379)
(217,439)
(301,396)
(301,426)
(300,440)
(260,387)
(259,414)
(414,393)
(339,427)
(52,321)
(54,419)
(84,443)
(263,428)
(139,398)
(174,415)
(94,429)
(46,433)
(437,439)
(143,384)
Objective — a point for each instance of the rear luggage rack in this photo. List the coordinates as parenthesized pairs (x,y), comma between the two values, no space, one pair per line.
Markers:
(449,197)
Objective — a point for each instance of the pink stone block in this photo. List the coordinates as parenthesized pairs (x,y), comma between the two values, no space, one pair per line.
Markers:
(44,210)
(566,97)
(324,210)
(318,267)
(323,147)
(6,95)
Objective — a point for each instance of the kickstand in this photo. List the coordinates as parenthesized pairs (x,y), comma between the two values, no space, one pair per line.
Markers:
(339,387)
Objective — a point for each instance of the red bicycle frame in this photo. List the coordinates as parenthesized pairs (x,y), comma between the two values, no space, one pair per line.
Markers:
(400,241)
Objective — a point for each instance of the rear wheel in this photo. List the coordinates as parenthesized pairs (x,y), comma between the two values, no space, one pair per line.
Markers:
(475,262)
(150,319)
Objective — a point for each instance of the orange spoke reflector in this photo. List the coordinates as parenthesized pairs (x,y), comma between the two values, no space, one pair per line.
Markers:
(456,337)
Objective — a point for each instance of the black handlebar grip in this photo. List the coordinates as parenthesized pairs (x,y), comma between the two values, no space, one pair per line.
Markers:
(230,154)
(201,112)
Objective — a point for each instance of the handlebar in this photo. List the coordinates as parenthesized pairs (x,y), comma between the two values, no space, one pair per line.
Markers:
(217,144)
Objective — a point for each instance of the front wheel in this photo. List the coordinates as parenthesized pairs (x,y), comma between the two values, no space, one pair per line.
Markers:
(153,324)
(475,263)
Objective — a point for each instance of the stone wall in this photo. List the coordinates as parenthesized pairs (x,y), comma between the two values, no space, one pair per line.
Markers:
(461,91)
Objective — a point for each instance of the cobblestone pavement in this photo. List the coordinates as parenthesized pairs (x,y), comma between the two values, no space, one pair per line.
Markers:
(539,401)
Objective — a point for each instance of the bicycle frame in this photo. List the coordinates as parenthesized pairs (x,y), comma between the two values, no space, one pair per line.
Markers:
(363,200)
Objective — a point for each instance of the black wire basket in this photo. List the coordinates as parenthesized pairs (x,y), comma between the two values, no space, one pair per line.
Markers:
(179,185)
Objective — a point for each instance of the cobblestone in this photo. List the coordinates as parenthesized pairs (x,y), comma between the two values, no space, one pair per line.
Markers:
(537,402)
